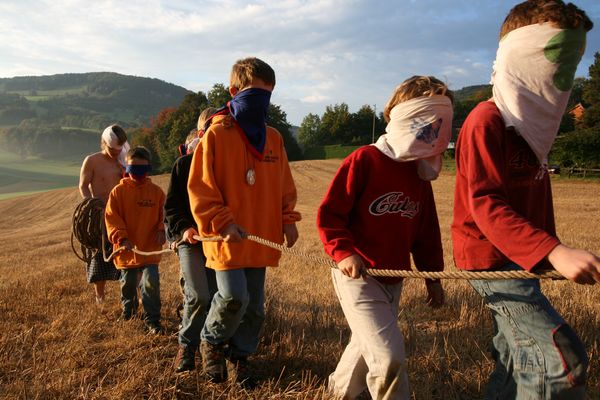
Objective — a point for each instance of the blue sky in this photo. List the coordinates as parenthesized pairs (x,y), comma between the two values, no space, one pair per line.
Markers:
(323,52)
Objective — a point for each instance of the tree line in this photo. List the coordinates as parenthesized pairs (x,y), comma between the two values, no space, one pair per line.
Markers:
(578,143)
(169,128)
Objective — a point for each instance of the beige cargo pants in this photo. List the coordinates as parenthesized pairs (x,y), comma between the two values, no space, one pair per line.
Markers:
(375,357)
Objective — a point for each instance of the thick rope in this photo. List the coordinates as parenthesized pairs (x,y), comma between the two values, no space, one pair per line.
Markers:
(88,224)
(486,275)
(87,221)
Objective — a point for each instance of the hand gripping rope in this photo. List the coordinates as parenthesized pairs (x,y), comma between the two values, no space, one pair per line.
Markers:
(88,224)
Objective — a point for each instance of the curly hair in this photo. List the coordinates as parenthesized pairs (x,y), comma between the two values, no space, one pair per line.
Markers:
(565,16)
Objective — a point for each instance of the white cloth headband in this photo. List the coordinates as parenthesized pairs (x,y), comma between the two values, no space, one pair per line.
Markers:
(110,138)
(191,146)
(532,77)
(419,129)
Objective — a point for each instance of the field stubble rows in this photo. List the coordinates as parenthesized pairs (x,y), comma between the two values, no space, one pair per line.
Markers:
(55,343)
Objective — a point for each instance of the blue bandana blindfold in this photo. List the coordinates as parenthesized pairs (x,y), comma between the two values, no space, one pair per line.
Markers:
(249,108)
(138,171)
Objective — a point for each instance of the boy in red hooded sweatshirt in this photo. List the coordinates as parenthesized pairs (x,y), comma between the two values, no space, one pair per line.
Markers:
(503,213)
(134,218)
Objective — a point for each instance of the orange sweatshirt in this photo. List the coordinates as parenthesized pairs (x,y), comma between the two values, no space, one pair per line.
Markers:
(135,212)
(220,195)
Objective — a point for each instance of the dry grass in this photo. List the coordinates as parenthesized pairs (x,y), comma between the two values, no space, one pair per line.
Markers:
(55,343)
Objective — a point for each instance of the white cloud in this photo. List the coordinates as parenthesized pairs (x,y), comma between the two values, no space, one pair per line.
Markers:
(323,51)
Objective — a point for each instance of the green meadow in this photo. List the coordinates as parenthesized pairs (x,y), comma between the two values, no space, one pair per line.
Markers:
(20,176)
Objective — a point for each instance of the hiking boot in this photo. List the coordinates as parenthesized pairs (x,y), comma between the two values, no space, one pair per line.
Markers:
(213,361)
(185,360)
(126,316)
(153,327)
(243,376)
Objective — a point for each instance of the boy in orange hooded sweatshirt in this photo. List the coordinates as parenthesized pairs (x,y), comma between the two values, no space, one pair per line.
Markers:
(134,218)
(240,181)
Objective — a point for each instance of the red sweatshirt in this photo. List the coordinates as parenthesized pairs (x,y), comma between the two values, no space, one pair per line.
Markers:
(380,209)
(502,213)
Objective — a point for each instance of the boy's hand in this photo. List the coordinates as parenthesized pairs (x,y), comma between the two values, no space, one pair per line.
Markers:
(577,265)
(435,293)
(160,237)
(290,232)
(233,233)
(188,235)
(352,266)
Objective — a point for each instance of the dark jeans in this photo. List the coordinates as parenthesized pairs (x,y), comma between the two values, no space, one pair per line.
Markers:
(237,310)
(198,287)
(149,285)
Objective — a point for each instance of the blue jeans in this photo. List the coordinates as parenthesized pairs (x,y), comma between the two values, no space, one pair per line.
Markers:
(538,356)
(199,286)
(237,311)
(149,289)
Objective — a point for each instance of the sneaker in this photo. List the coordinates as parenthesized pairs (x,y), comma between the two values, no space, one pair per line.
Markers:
(153,328)
(185,360)
(243,377)
(213,361)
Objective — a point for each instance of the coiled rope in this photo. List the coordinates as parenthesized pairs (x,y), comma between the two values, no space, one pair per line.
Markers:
(88,222)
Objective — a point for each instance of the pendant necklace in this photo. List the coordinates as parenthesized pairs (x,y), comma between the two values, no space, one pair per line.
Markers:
(250,173)
(250,176)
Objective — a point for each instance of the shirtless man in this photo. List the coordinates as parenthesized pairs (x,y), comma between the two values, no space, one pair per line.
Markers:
(100,172)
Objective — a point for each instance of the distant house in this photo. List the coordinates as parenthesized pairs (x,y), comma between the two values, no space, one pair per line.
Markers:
(577,112)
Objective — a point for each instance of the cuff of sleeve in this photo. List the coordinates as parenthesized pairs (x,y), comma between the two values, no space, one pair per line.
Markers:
(220,222)
(539,254)
(184,227)
(339,255)
(292,217)
(119,236)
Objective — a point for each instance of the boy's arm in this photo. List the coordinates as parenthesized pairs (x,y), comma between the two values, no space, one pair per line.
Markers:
(115,225)
(176,217)
(481,161)
(289,195)
(85,178)
(333,214)
(160,226)
(206,201)
(427,249)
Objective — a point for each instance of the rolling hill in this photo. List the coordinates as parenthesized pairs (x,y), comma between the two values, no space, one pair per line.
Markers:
(89,100)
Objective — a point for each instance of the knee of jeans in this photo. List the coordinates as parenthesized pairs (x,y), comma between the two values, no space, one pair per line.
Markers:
(572,354)
(233,305)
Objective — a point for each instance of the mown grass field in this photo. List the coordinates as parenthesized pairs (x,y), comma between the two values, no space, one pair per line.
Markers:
(19,176)
(55,343)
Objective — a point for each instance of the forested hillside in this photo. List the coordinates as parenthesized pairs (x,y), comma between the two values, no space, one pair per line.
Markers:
(40,115)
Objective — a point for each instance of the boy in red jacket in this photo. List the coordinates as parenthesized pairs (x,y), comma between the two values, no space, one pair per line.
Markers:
(503,215)
(378,211)
(134,217)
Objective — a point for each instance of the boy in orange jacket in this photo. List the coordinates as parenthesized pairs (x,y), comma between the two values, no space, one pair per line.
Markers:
(240,181)
(134,218)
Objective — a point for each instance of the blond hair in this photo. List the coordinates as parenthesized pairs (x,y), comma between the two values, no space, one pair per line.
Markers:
(413,87)
(204,115)
(245,71)
(191,136)
(565,16)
